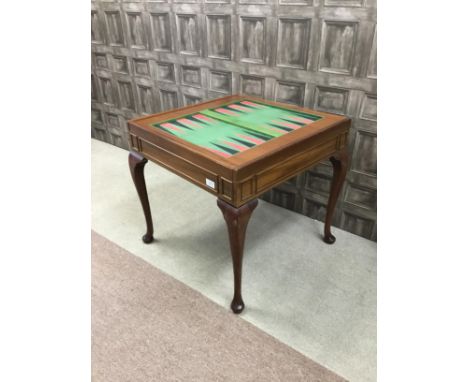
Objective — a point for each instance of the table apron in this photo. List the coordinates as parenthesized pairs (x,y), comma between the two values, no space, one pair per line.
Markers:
(201,177)
(278,173)
(240,191)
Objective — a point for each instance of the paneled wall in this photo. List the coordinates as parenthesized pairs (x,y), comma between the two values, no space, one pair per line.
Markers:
(149,56)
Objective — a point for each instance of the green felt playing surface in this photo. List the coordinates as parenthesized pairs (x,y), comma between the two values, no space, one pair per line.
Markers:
(236,127)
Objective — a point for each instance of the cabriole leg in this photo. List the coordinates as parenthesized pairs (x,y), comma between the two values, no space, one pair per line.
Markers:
(137,163)
(340,166)
(237,220)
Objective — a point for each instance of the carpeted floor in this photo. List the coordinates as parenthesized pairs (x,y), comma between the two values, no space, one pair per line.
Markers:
(147,326)
(319,299)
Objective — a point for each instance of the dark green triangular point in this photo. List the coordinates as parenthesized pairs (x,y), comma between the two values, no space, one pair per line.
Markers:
(242,142)
(305,115)
(288,129)
(234,109)
(192,118)
(224,148)
(162,128)
(298,113)
(292,121)
(247,106)
(257,134)
(178,124)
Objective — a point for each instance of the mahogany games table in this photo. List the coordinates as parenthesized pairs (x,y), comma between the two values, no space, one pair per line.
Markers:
(237,148)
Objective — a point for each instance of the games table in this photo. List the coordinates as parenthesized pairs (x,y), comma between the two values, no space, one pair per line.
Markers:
(237,148)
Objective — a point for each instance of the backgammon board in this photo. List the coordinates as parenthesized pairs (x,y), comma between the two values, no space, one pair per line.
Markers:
(236,126)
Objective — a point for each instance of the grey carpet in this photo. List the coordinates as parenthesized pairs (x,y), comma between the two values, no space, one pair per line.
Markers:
(147,326)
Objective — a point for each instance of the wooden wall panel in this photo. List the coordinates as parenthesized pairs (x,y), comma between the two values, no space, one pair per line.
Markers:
(253,39)
(161,32)
(152,55)
(188,34)
(293,40)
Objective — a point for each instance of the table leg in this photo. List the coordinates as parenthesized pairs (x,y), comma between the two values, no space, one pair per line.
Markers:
(137,163)
(237,220)
(340,166)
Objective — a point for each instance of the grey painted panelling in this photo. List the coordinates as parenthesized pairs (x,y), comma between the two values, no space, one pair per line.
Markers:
(218,36)
(252,85)
(161,32)
(293,39)
(338,42)
(149,56)
(253,39)
(114,28)
(188,34)
(191,76)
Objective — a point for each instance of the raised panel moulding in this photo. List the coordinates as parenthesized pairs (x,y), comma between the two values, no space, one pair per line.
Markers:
(293,42)
(188,34)
(168,99)
(146,99)
(114,28)
(361,196)
(365,148)
(165,71)
(191,100)
(161,32)
(220,81)
(253,39)
(120,64)
(96,35)
(126,95)
(141,67)
(331,99)
(136,30)
(372,65)
(290,92)
(252,85)
(218,29)
(343,3)
(191,75)
(369,108)
(106,90)
(337,46)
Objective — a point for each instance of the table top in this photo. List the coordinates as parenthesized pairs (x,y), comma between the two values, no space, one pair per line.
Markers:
(234,128)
